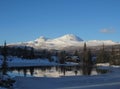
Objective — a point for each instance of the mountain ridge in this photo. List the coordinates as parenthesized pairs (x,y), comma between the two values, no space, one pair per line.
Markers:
(67,40)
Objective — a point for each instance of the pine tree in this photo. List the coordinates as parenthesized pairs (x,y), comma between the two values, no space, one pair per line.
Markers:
(24,52)
(48,55)
(119,57)
(76,53)
(62,56)
(85,47)
(4,64)
(112,56)
(84,58)
(103,56)
(87,61)
(90,62)
(19,52)
(32,53)
(44,53)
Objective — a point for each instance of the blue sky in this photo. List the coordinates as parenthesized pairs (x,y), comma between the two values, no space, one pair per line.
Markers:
(25,20)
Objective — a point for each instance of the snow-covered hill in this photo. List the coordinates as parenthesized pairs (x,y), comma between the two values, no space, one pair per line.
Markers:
(62,42)
(69,37)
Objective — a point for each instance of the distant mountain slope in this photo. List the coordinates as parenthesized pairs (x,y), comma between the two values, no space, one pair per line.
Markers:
(69,37)
(62,42)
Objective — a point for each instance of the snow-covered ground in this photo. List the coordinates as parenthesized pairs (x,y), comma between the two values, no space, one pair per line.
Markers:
(105,81)
(110,80)
(18,62)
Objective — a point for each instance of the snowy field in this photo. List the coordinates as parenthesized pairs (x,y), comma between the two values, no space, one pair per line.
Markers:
(110,80)
(18,62)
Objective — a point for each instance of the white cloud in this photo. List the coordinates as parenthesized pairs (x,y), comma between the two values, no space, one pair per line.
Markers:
(105,30)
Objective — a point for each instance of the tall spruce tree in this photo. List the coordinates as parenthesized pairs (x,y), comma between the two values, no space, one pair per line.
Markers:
(32,55)
(25,53)
(86,61)
(76,53)
(4,64)
(103,56)
(89,61)
(62,56)
(111,61)
(119,57)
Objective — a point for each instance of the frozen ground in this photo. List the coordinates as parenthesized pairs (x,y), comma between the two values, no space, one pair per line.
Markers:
(110,80)
(18,62)
(105,81)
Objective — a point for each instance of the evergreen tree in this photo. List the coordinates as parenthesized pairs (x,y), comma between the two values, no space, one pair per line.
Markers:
(85,47)
(89,62)
(84,58)
(44,53)
(112,56)
(4,64)
(62,56)
(48,55)
(119,57)
(24,53)
(86,61)
(19,52)
(116,60)
(76,53)
(32,53)
(103,56)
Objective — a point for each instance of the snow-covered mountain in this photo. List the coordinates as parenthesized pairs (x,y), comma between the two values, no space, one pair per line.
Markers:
(62,42)
(69,37)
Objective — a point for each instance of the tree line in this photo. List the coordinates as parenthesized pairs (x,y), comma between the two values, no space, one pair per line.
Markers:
(111,55)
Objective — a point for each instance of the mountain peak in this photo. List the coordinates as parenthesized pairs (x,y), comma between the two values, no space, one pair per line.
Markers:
(41,39)
(68,40)
(70,37)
